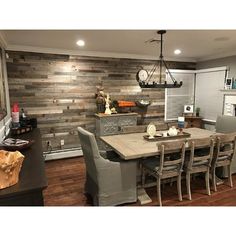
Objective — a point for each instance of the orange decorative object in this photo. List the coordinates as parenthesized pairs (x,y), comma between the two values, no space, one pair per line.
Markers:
(10,166)
(126,104)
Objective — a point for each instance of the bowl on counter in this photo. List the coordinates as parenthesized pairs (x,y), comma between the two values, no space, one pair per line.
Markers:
(143,103)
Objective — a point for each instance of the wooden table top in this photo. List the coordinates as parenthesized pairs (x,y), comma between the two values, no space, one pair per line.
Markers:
(134,146)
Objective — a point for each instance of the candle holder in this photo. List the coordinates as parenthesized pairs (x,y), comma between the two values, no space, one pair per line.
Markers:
(181,121)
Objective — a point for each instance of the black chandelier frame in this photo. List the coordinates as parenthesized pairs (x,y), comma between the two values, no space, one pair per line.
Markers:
(162,62)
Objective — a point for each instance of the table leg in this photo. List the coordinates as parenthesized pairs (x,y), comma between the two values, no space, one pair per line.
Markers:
(143,196)
(219,181)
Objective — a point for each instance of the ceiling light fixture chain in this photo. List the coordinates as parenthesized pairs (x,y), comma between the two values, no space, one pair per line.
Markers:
(143,77)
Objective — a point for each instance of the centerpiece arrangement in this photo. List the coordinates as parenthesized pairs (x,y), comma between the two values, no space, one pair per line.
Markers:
(172,133)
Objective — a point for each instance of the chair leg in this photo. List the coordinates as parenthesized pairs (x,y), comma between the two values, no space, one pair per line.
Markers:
(179,188)
(207,174)
(213,178)
(188,179)
(230,177)
(159,190)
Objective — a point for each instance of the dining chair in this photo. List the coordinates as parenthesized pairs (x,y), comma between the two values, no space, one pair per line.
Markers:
(226,124)
(133,129)
(107,182)
(199,161)
(142,128)
(172,123)
(223,156)
(165,166)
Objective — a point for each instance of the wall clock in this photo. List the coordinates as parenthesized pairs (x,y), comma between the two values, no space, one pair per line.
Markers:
(142,75)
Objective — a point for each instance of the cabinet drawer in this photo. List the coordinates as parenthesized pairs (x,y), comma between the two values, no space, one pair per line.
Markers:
(127,121)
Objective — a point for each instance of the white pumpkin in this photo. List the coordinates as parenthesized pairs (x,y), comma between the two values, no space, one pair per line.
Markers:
(172,131)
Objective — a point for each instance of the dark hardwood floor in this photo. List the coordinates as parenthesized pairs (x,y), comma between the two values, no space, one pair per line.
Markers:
(66,183)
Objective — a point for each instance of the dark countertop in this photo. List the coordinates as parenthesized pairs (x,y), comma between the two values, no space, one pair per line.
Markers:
(32,175)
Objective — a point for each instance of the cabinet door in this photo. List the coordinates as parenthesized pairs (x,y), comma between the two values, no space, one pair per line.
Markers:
(109,125)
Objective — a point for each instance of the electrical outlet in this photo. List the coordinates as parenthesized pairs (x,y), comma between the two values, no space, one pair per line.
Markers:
(49,143)
(62,142)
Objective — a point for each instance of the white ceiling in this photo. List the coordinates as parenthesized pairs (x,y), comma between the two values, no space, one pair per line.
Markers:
(196,45)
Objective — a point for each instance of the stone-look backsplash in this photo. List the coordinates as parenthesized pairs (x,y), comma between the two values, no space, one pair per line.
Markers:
(59,90)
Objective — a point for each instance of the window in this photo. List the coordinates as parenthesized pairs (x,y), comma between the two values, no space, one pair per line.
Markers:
(209,98)
(3,110)
(176,98)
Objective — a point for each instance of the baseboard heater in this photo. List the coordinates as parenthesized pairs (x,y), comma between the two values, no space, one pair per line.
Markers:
(60,154)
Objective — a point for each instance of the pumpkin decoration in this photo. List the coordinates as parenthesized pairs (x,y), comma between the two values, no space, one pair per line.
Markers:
(126,104)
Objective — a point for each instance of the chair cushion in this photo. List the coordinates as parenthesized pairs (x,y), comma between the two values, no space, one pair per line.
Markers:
(154,164)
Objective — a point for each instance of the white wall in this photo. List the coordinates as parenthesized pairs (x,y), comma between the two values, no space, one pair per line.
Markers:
(5,122)
(226,61)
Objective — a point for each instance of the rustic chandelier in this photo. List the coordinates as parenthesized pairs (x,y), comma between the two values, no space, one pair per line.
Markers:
(144,77)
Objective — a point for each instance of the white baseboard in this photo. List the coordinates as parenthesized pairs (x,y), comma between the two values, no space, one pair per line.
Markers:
(62,154)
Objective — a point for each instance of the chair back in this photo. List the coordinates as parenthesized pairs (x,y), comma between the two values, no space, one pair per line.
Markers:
(141,128)
(133,129)
(201,151)
(226,146)
(172,123)
(90,151)
(225,124)
(171,147)
(162,127)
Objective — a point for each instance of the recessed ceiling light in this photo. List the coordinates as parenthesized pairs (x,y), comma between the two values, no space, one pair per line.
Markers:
(80,43)
(177,51)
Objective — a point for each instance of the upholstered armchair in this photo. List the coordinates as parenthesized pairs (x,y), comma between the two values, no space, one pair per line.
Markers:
(108,182)
(226,124)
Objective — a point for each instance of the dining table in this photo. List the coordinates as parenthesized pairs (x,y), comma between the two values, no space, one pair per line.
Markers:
(134,146)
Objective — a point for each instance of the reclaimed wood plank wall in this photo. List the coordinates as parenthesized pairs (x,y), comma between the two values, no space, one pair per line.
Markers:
(59,90)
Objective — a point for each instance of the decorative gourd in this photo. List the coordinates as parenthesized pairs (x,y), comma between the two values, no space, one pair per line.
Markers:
(151,130)
(172,131)
(126,104)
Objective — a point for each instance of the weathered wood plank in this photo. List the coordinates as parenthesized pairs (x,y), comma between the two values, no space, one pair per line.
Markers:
(59,90)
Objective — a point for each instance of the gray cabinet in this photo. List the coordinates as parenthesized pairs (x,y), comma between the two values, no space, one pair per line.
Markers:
(112,124)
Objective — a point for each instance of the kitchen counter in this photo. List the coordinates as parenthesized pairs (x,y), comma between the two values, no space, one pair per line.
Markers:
(32,178)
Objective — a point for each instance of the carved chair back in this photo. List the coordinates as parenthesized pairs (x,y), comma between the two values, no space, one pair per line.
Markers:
(174,147)
(201,152)
(225,147)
